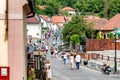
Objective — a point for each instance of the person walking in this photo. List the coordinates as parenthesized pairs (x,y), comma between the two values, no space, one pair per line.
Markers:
(48,70)
(71,59)
(77,60)
(64,58)
(46,47)
(56,52)
(52,51)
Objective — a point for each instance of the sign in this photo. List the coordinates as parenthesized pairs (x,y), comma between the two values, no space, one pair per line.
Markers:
(4,73)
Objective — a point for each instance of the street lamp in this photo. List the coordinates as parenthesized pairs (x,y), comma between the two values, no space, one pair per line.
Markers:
(115,62)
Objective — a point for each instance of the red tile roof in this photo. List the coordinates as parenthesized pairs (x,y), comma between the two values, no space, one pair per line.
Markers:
(46,18)
(113,22)
(42,7)
(68,18)
(58,19)
(67,9)
(32,20)
(97,22)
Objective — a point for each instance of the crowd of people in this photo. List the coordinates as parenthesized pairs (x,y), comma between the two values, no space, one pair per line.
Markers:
(73,59)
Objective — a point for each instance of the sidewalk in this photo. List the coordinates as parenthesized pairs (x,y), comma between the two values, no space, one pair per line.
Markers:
(97,64)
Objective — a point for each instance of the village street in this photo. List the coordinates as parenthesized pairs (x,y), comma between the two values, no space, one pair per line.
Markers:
(62,71)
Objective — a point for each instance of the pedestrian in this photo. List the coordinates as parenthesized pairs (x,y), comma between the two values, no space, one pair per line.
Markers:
(71,61)
(46,47)
(48,70)
(52,51)
(56,52)
(62,55)
(77,60)
(64,58)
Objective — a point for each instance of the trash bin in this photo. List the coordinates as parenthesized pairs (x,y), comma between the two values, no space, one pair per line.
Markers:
(85,62)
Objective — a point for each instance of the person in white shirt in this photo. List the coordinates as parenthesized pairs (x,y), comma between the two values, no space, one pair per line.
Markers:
(48,70)
(77,60)
(71,61)
(46,47)
(56,52)
(64,58)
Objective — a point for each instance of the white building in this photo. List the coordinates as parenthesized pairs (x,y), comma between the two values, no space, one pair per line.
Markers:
(70,10)
(33,27)
(45,21)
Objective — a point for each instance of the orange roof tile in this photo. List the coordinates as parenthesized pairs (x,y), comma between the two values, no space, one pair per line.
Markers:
(98,23)
(113,22)
(67,9)
(58,19)
(46,18)
(68,18)
(42,7)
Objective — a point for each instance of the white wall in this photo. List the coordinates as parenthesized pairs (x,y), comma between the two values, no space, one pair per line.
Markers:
(72,12)
(54,27)
(33,29)
(43,22)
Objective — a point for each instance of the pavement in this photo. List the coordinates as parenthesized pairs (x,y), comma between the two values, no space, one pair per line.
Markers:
(57,75)
(61,72)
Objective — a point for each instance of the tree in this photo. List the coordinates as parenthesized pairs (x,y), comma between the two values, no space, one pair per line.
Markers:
(76,26)
(111,36)
(75,39)
(88,7)
(49,11)
(99,35)
(113,7)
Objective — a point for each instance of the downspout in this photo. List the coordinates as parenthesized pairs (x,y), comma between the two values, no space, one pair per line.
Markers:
(31,4)
(6,18)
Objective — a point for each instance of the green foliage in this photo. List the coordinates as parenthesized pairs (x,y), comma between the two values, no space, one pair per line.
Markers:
(49,11)
(99,35)
(111,36)
(86,7)
(113,7)
(75,39)
(76,26)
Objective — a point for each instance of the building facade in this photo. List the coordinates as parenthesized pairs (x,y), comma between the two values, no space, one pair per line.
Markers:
(13,37)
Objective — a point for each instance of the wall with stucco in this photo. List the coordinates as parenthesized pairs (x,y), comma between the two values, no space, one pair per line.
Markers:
(3,39)
(16,40)
(3,45)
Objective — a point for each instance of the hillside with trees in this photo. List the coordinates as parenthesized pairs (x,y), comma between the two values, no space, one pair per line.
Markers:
(102,8)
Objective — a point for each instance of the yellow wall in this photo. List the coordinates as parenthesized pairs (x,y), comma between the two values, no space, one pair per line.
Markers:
(3,41)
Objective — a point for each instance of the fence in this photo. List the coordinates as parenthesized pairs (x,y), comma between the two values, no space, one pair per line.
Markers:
(96,56)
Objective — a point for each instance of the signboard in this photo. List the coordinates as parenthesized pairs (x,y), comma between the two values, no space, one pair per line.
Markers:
(4,73)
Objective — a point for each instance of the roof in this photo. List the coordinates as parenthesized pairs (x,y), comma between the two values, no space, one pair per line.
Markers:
(58,19)
(67,9)
(42,7)
(46,18)
(32,20)
(98,23)
(68,18)
(113,22)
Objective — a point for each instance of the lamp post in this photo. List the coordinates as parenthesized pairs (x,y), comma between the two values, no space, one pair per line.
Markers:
(115,62)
